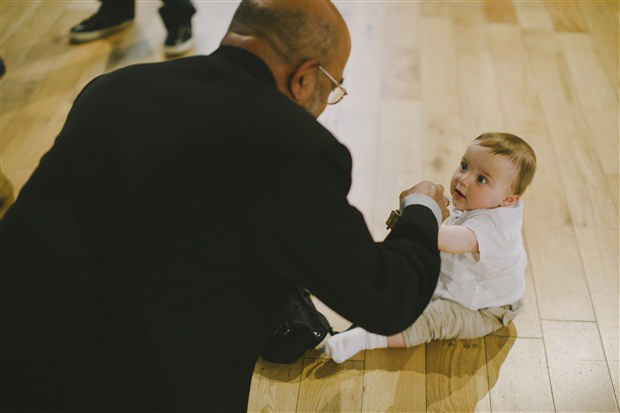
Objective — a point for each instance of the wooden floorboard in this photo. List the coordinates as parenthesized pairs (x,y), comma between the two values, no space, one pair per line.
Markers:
(457,377)
(395,380)
(424,79)
(509,360)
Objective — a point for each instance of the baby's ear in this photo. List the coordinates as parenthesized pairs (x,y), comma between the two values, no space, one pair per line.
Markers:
(510,200)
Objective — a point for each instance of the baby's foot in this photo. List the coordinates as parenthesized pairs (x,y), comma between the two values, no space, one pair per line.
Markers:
(343,346)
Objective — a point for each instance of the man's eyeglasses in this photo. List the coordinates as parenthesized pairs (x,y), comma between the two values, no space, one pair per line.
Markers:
(338,92)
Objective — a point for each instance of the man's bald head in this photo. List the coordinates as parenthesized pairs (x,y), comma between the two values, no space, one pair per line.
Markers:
(294,37)
(295,29)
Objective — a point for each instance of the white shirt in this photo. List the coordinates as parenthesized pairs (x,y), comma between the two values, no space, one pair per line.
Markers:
(495,276)
(425,200)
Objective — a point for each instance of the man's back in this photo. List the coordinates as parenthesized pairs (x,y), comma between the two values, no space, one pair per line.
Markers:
(131,249)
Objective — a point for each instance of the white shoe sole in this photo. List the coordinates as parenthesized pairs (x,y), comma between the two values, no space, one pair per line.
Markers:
(97,34)
(179,49)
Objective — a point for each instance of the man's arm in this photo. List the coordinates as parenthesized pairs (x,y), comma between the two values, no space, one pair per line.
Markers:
(456,239)
(307,232)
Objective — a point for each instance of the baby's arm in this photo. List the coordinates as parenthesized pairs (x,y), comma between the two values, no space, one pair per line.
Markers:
(457,239)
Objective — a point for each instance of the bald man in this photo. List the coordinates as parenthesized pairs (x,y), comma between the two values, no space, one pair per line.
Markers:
(146,261)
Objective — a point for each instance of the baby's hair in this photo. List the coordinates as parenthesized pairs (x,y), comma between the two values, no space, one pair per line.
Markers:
(515,149)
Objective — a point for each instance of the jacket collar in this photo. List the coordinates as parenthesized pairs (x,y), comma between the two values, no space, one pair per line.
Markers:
(246,61)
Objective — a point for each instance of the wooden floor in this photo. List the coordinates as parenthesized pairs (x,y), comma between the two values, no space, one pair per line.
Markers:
(424,79)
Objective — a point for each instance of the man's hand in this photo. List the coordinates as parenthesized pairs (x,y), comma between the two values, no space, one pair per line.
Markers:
(435,191)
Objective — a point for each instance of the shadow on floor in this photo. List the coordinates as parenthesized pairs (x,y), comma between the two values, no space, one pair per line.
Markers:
(460,373)
(451,375)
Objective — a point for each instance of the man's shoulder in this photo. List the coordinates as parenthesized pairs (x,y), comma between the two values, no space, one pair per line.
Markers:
(280,121)
(229,98)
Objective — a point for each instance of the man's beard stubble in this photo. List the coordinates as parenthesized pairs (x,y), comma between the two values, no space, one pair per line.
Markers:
(316,105)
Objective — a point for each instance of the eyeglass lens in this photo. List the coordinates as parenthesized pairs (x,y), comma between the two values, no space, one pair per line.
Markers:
(335,96)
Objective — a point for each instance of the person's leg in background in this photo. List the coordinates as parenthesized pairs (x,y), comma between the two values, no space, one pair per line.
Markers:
(7,196)
(177,17)
(112,16)
(6,189)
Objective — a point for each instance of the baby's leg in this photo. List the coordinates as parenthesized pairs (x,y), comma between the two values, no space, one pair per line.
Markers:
(396,341)
(446,319)
(441,320)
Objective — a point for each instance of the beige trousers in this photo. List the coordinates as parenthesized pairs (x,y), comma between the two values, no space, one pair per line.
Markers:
(445,319)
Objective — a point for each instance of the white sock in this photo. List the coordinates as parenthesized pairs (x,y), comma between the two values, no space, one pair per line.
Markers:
(345,345)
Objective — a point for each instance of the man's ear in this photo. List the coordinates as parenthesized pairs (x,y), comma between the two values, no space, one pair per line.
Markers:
(510,200)
(302,81)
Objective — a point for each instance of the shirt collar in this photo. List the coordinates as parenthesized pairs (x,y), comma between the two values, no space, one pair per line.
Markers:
(246,61)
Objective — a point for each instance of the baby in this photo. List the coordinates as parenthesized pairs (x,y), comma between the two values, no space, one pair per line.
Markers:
(481,284)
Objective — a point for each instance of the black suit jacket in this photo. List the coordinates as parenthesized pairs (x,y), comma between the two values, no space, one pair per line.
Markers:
(150,253)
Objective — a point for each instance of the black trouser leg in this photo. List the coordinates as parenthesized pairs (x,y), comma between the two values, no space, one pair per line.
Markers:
(176,12)
(118,9)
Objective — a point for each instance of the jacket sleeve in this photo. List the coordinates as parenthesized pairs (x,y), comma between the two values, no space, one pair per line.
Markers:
(307,232)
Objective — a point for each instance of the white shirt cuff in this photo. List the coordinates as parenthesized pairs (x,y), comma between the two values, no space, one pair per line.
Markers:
(425,200)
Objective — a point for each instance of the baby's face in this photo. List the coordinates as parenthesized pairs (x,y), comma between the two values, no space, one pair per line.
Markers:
(483,180)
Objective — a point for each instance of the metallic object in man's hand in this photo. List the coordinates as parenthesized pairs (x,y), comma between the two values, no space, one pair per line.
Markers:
(392,219)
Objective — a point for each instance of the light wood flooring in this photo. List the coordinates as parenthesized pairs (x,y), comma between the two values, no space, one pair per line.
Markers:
(424,79)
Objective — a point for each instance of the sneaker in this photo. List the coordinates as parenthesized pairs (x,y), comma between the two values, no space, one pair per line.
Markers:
(97,26)
(179,40)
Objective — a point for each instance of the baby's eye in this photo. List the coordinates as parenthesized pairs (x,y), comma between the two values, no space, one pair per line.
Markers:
(463,166)
(481,179)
